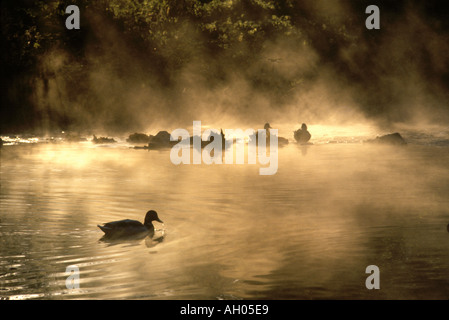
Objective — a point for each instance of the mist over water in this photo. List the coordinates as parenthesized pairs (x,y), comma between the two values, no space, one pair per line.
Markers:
(312,61)
(334,206)
(307,232)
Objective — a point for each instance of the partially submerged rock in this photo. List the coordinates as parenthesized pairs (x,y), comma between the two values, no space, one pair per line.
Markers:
(138,138)
(73,137)
(391,139)
(103,140)
(209,140)
(160,140)
(162,137)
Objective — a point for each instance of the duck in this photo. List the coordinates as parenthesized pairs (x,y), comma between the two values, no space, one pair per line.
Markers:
(130,228)
(281,140)
(302,135)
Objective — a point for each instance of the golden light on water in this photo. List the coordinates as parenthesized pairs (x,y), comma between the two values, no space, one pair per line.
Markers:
(84,142)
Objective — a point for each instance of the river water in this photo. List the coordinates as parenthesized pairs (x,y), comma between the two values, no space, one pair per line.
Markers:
(307,232)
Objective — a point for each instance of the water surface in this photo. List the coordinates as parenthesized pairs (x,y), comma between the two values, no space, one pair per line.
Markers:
(307,232)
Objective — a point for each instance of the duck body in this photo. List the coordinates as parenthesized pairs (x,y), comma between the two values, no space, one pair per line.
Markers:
(282,142)
(302,135)
(131,228)
(124,228)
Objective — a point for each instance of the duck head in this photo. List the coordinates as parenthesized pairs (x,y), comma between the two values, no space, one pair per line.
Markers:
(152,216)
(267,126)
(304,126)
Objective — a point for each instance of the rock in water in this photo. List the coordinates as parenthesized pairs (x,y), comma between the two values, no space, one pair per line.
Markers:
(138,138)
(392,139)
(160,140)
(162,137)
(102,140)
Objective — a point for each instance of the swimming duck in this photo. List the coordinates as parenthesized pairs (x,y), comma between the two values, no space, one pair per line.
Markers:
(281,140)
(127,228)
(302,135)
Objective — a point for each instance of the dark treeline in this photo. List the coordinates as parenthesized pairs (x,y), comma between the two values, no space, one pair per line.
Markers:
(133,62)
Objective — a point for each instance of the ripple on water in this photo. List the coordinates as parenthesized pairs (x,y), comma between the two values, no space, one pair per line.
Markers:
(229,233)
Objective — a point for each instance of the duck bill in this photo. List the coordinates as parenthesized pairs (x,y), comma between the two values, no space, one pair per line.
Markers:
(159,220)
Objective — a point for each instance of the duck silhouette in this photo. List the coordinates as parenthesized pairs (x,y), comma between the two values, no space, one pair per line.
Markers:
(281,140)
(302,135)
(131,228)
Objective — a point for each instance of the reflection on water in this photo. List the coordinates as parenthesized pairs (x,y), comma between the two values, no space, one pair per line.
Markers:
(307,232)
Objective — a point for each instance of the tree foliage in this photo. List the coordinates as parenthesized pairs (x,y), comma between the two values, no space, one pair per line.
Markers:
(166,36)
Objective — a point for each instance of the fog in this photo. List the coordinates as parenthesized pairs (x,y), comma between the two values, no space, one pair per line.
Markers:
(325,69)
(308,231)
